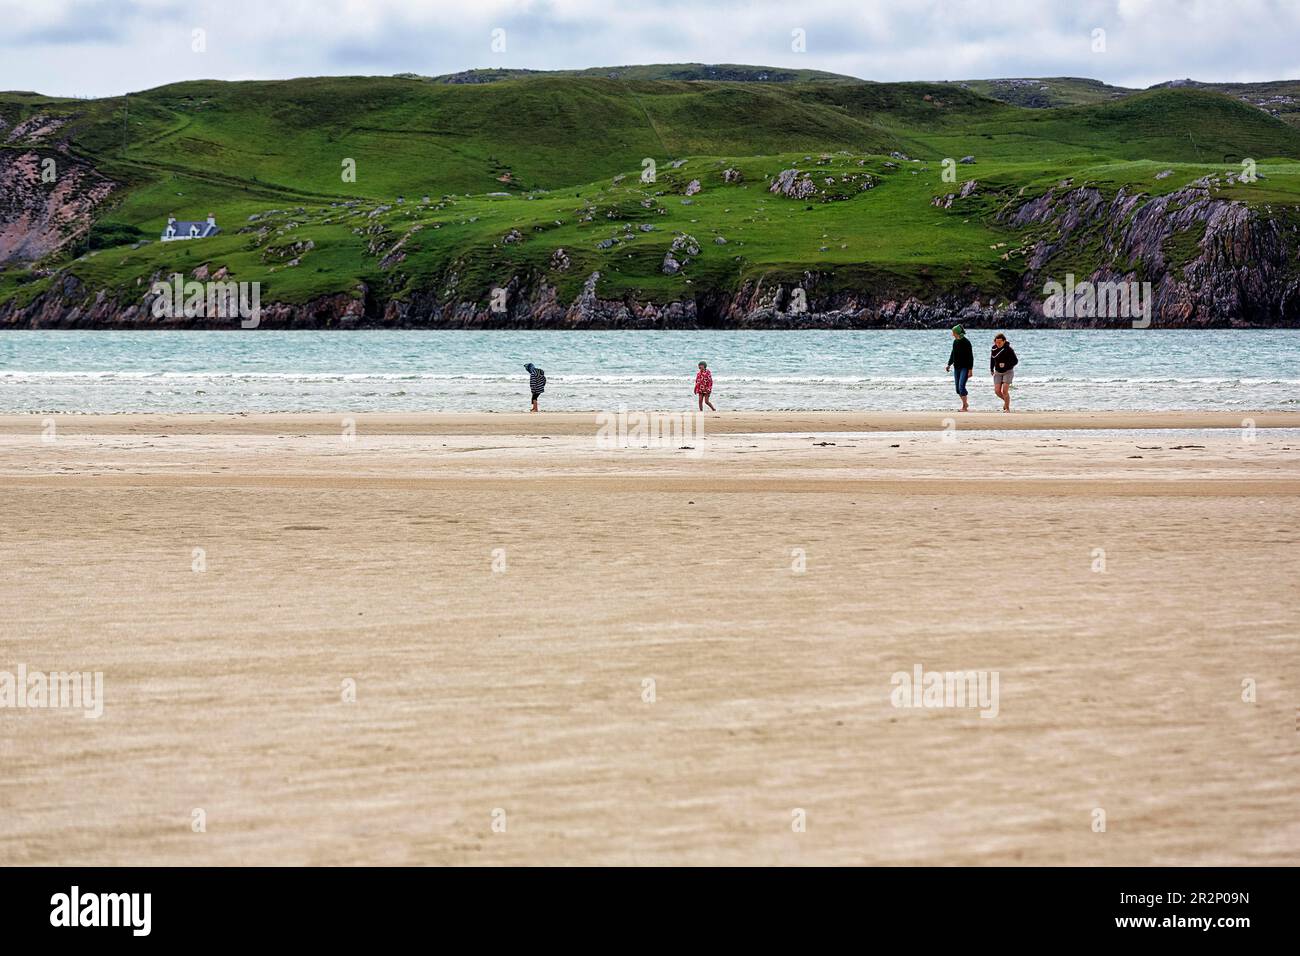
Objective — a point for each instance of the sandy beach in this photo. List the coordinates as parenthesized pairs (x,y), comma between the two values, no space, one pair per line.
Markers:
(567,653)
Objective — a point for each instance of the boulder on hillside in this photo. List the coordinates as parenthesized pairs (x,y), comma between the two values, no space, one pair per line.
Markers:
(946,201)
(686,242)
(793,184)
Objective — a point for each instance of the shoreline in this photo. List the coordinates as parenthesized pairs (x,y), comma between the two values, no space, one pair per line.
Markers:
(585,423)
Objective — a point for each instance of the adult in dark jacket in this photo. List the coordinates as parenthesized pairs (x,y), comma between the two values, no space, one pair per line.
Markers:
(536,381)
(961,362)
(1002,363)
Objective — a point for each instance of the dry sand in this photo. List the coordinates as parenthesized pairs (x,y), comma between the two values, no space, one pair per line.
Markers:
(522,690)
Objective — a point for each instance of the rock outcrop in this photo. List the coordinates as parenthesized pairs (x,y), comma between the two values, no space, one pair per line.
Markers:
(946,201)
(48,201)
(793,184)
(1236,267)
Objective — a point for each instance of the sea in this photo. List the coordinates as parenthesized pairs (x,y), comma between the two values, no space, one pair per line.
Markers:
(47,371)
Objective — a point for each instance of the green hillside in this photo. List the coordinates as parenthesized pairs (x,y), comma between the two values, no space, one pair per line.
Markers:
(712,72)
(521,166)
(1048,92)
(1278,98)
(1169,125)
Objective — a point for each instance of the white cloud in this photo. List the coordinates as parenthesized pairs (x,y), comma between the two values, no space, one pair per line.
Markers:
(104,47)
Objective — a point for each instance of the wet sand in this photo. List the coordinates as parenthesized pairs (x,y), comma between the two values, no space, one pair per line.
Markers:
(584,423)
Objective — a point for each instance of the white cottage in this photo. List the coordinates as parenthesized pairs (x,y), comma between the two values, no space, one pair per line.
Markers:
(182,229)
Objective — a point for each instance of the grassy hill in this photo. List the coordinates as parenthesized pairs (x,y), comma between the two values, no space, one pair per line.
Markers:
(713,72)
(1279,98)
(555,160)
(1048,92)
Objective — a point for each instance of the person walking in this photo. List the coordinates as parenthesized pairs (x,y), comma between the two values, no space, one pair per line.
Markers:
(1002,363)
(961,362)
(704,386)
(536,381)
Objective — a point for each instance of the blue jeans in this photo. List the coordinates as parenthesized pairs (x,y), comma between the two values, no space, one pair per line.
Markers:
(960,377)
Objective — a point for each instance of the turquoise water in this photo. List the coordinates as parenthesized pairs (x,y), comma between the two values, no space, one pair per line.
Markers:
(268,371)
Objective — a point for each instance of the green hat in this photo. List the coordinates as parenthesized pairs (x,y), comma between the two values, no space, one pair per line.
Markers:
(959,330)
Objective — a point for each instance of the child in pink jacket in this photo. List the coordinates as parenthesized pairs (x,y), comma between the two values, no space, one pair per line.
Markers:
(704,386)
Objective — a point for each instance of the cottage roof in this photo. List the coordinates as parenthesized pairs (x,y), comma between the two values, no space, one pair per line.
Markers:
(204,227)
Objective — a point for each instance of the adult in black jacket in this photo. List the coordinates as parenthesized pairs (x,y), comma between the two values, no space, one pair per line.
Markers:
(961,362)
(1002,363)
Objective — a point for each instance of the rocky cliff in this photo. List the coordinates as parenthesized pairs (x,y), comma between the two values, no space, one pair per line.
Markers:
(48,200)
(1211,262)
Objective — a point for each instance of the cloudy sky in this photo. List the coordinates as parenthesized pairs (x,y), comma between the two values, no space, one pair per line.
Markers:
(107,47)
